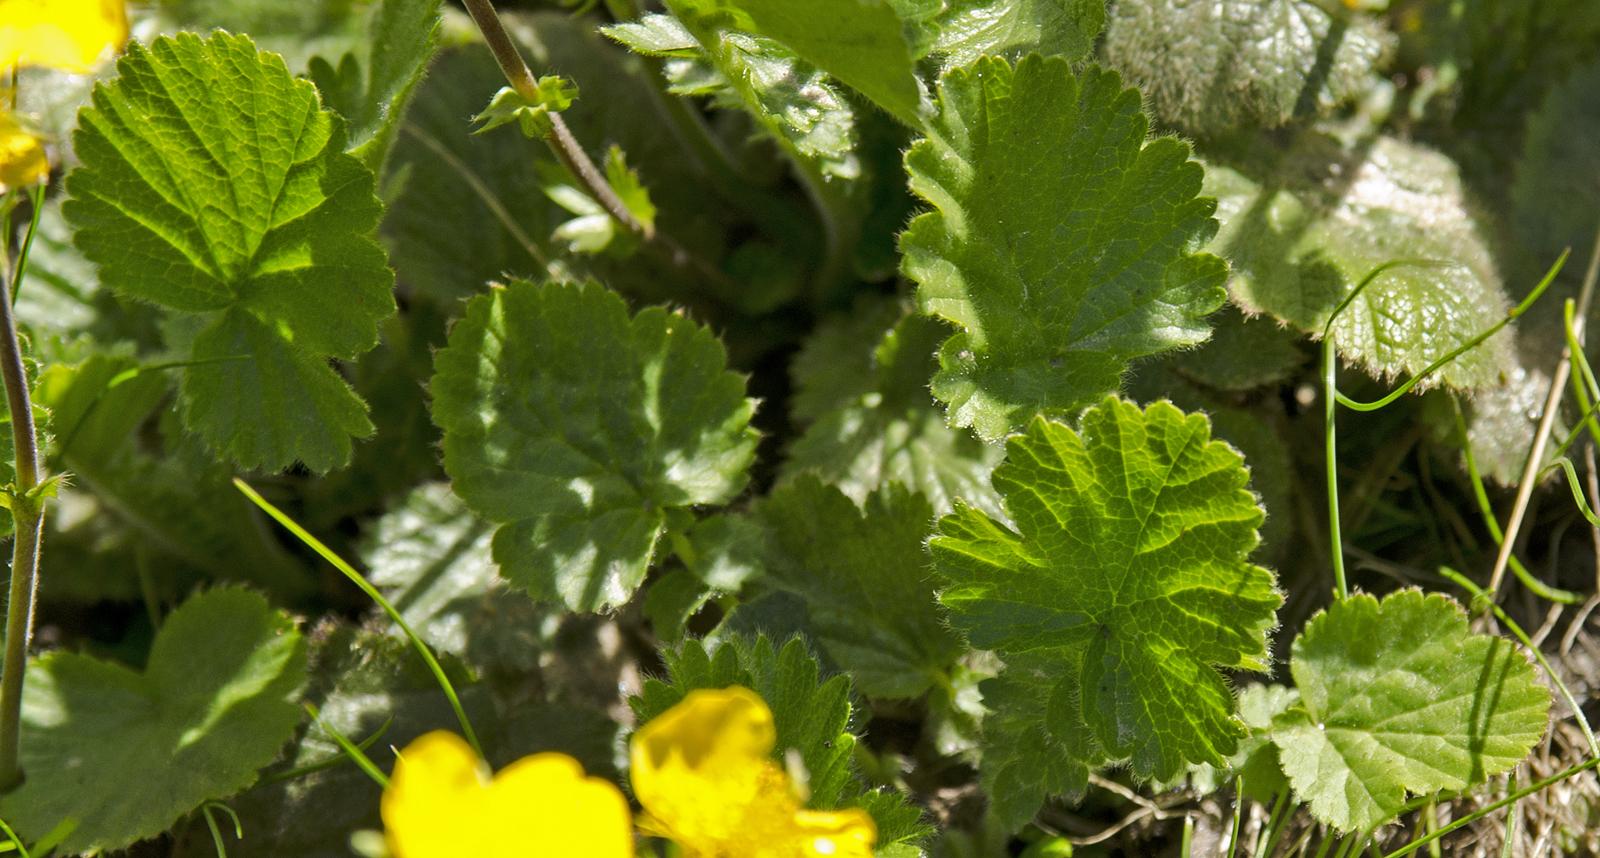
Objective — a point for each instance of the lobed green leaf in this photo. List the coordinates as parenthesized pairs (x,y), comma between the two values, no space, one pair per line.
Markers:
(577,429)
(1060,244)
(215,185)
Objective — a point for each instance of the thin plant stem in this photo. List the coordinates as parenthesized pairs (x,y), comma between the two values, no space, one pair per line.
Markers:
(216,832)
(1238,815)
(1516,630)
(22,848)
(358,756)
(27,511)
(1552,403)
(388,607)
(1513,798)
(1491,522)
(1331,462)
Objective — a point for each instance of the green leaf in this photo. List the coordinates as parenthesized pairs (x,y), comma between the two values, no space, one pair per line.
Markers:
(577,428)
(402,36)
(863,573)
(1397,697)
(298,29)
(812,718)
(144,500)
(799,105)
(873,422)
(1116,601)
(969,29)
(1060,241)
(1256,761)
(431,557)
(214,185)
(365,685)
(465,209)
(1215,65)
(1303,226)
(860,42)
(213,706)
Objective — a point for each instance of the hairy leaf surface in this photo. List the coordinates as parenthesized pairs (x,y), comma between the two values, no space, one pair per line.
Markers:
(1308,223)
(1397,697)
(969,29)
(1213,65)
(215,185)
(1121,593)
(577,428)
(127,753)
(1060,244)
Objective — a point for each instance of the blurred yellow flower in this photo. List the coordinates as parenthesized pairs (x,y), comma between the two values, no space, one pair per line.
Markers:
(442,803)
(22,161)
(70,35)
(704,773)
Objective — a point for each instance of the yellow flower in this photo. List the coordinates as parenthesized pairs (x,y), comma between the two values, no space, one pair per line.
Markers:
(441,803)
(70,35)
(704,772)
(22,161)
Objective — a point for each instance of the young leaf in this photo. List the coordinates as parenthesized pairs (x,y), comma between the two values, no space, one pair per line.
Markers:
(1310,222)
(864,575)
(1122,592)
(372,96)
(860,42)
(1215,65)
(213,705)
(874,422)
(792,100)
(1397,697)
(1060,240)
(215,185)
(577,428)
(969,29)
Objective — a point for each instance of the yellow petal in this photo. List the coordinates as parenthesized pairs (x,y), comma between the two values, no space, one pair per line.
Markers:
(835,833)
(441,803)
(22,160)
(704,773)
(701,767)
(71,35)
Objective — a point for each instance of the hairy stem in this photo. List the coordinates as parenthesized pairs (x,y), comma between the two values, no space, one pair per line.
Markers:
(571,154)
(560,138)
(28,513)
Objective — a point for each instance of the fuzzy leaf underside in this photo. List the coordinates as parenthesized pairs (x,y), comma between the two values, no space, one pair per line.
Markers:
(1116,600)
(1213,65)
(1397,697)
(1302,236)
(576,428)
(1060,244)
(215,185)
(126,754)
(970,29)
